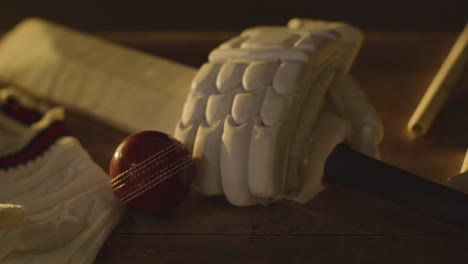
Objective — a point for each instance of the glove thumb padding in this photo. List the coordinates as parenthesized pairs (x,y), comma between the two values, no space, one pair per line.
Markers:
(321,144)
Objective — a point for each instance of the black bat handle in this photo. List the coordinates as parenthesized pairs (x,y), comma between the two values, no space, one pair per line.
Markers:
(355,170)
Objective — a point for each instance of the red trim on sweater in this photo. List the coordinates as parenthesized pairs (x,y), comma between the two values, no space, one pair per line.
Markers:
(39,143)
(23,114)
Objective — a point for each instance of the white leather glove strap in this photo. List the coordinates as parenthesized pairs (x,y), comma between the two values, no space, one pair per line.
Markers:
(131,90)
(58,205)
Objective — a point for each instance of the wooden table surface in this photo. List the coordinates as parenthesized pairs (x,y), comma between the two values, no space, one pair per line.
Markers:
(339,225)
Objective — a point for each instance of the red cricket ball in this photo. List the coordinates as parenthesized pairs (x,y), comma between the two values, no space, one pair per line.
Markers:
(151,172)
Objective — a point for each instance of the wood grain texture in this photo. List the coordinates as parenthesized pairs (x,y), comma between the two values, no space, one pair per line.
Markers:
(284,249)
(340,225)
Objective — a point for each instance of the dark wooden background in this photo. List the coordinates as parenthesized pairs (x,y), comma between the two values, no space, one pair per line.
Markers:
(104,15)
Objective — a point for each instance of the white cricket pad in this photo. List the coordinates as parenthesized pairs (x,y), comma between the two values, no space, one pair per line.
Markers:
(129,89)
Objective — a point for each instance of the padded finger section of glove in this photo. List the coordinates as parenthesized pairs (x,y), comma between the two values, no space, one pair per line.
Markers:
(275,107)
(289,78)
(268,146)
(235,162)
(207,145)
(259,75)
(194,109)
(329,131)
(245,107)
(205,80)
(186,134)
(235,148)
(206,152)
(230,77)
(218,107)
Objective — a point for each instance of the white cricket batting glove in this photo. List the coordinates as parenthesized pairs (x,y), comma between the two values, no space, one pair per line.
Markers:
(270,105)
(56,205)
